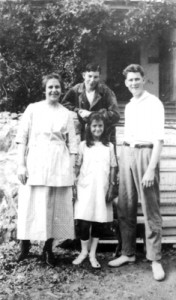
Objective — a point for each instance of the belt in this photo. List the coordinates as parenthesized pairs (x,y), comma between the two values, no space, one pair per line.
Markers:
(139,146)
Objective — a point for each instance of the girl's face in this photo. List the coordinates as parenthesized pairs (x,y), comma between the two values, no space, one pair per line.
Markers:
(53,90)
(97,128)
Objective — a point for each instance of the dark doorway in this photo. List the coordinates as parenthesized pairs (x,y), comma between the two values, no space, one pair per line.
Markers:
(165,69)
(118,57)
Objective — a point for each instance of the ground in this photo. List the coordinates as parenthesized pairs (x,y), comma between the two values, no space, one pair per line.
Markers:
(33,280)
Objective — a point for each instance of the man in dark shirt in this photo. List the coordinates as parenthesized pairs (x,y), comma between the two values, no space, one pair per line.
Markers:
(91,95)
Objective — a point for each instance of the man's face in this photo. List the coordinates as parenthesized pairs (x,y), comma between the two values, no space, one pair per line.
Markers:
(91,79)
(135,83)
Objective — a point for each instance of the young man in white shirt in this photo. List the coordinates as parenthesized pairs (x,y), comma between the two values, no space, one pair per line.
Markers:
(139,171)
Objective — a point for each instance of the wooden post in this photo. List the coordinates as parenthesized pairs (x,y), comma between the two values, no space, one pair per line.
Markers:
(173,65)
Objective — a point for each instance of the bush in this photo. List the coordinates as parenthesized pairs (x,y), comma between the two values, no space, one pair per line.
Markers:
(35,42)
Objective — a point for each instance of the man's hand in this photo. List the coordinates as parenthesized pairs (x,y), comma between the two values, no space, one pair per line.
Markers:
(148,178)
(22,174)
(83,113)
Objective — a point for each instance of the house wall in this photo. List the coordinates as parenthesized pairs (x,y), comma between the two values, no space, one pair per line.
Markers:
(149,59)
(150,62)
(101,59)
(160,71)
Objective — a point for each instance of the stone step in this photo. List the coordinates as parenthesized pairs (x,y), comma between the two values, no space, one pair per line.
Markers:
(167,208)
(170,113)
(168,221)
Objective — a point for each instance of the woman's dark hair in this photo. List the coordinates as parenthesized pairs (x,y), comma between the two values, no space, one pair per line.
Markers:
(97,116)
(51,76)
(134,68)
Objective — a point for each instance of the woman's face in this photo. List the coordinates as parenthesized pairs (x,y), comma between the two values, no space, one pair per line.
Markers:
(53,90)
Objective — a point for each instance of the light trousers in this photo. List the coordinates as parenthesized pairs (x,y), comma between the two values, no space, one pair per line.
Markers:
(133,164)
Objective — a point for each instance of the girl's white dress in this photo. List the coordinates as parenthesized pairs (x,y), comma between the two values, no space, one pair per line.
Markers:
(93,182)
(45,207)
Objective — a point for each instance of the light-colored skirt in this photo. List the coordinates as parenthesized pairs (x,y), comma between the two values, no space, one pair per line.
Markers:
(45,212)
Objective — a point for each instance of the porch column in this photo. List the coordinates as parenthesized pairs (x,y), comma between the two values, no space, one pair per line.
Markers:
(173,65)
(150,62)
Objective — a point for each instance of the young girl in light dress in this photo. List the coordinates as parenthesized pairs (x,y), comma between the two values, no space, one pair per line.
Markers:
(95,170)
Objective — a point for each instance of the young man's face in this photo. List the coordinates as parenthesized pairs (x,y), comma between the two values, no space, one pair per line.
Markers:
(91,79)
(135,83)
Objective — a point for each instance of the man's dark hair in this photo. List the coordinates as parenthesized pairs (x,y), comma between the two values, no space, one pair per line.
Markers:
(92,67)
(97,116)
(133,68)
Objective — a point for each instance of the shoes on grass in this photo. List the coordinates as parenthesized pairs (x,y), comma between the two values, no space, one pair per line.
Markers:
(94,263)
(80,258)
(122,260)
(158,272)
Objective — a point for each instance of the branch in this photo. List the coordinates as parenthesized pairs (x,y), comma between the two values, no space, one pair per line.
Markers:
(4,90)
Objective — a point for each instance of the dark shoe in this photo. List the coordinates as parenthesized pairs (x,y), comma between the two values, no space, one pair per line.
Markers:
(48,255)
(49,258)
(25,246)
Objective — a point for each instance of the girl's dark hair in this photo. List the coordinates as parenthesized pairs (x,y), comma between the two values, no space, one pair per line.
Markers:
(97,116)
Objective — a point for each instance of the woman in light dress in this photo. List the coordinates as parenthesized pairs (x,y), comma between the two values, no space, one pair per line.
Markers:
(46,155)
(96,168)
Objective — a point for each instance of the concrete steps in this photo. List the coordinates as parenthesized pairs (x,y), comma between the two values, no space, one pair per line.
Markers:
(170,112)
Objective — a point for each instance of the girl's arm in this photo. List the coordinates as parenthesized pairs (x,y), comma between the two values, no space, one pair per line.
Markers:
(112,175)
(77,171)
(78,164)
(109,196)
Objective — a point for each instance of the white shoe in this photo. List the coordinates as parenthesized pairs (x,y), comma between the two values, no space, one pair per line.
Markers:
(94,263)
(122,260)
(158,272)
(80,258)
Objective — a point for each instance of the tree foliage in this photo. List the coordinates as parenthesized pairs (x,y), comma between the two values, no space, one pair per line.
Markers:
(63,37)
(147,19)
